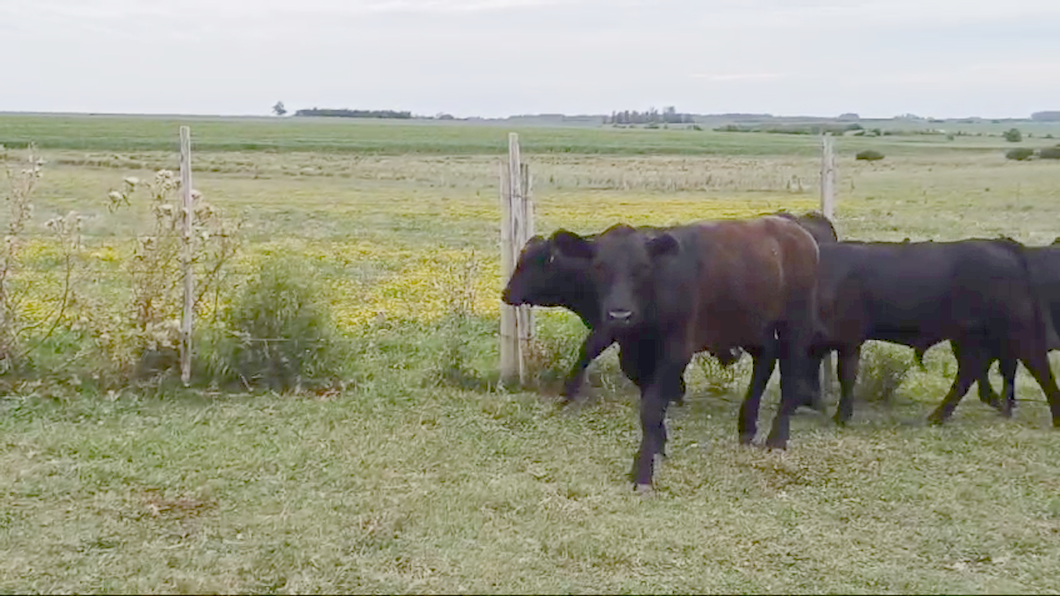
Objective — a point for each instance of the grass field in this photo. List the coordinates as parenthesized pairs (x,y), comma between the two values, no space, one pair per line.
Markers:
(401,483)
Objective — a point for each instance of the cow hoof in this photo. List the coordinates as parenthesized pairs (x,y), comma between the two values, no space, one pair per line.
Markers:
(642,489)
(840,421)
(772,443)
(936,419)
(570,393)
(747,438)
(1056,421)
(568,400)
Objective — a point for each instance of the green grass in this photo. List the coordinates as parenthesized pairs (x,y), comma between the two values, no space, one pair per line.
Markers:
(345,135)
(406,483)
(404,490)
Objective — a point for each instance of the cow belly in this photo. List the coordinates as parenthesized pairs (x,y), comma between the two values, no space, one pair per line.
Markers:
(721,330)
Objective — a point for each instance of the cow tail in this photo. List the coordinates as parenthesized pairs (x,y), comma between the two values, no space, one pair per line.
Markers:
(918,357)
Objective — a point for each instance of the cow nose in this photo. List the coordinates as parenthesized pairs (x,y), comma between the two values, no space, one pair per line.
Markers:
(619,315)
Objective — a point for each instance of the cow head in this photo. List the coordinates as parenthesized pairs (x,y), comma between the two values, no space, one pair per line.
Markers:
(543,276)
(621,263)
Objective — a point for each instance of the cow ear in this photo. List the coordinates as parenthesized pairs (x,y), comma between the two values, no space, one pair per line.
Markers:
(572,245)
(663,244)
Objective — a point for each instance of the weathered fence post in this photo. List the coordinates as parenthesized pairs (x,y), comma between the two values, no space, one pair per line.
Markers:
(186,255)
(828,209)
(517,226)
(827,176)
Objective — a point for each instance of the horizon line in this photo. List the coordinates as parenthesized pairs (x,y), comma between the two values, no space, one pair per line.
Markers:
(509,117)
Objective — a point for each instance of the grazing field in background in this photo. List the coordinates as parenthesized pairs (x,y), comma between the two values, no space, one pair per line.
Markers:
(421,476)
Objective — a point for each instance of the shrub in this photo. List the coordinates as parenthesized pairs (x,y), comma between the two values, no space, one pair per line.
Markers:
(869,155)
(63,236)
(20,210)
(148,338)
(452,363)
(277,333)
(1049,153)
(1013,135)
(882,370)
(1020,154)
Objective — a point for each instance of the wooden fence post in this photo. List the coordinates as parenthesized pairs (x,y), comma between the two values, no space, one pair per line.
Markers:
(186,255)
(828,209)
(827,177)
(517,226)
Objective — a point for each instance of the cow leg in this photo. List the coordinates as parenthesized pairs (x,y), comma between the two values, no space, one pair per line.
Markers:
(986,390)
(764,361)
(847,367)
(679,397)
(812,397)
(815,370)
(1008,385)
(790,399)
(595,343)
(970,359)
(795,336)
(1038,365)
(655,397)
(637,360)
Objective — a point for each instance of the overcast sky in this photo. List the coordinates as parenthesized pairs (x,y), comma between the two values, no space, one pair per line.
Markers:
(502,57)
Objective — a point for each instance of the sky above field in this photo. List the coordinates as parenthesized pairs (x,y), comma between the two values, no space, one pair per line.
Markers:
(495,58)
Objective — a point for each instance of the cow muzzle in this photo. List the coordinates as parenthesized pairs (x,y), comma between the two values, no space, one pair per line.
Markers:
(620,316)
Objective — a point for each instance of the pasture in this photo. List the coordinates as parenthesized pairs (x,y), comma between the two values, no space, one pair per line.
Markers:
(418,474)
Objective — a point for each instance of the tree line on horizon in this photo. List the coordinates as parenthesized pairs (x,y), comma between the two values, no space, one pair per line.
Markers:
(345,113)
(669,115)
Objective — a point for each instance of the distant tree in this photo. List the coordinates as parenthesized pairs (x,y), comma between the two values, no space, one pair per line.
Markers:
(1019,154)
(278,109)
(669,115)
(1013,135)
(869,155)
(1049,153)
(1053,116)
(345,113)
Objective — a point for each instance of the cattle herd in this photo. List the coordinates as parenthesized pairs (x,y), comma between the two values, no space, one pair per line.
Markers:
(783,287)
